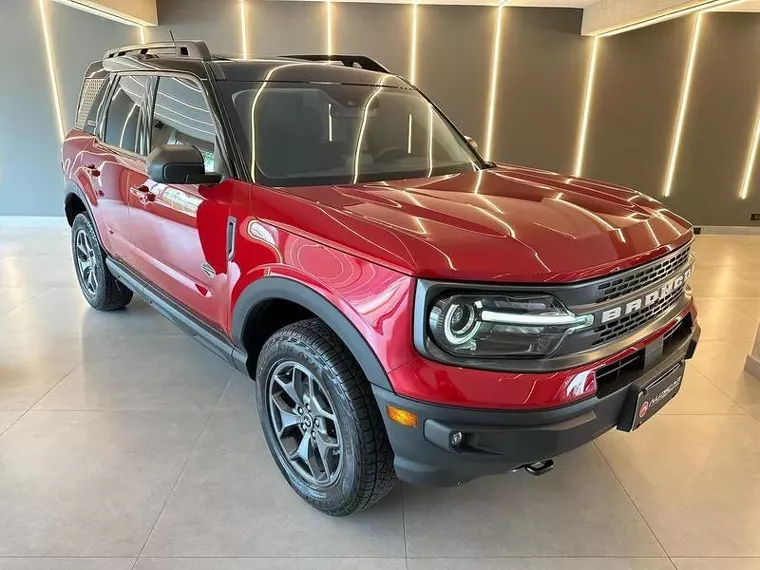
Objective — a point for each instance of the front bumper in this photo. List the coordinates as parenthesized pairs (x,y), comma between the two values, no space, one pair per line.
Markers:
(498,441)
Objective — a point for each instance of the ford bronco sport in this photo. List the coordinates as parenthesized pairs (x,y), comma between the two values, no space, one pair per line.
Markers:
(406,308)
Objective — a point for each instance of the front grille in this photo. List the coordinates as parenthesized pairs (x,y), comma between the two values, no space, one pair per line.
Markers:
(633,280)
(616,375)
(624,325)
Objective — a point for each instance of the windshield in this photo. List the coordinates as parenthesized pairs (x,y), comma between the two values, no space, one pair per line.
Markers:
(301,134)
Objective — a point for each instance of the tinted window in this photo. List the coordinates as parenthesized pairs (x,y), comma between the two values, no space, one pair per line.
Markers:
(304,134)
(181,116)
(90,101)
(125,113)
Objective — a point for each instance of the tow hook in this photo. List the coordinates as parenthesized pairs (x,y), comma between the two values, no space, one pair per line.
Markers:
(539,467)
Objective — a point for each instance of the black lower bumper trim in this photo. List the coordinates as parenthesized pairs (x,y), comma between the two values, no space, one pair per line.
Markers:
(493,442)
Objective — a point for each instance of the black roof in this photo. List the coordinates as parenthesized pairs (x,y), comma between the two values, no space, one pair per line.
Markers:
(194,57)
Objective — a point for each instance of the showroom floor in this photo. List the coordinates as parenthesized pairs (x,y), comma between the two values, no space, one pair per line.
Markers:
(122,438)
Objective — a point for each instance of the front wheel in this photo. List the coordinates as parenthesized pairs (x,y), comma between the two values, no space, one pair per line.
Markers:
(321,422)
(99,286)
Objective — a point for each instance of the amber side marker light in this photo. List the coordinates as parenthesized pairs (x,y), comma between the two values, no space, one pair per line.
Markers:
(403,417)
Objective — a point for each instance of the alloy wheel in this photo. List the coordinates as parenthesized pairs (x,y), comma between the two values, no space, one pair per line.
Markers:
(85,258)
(303,417)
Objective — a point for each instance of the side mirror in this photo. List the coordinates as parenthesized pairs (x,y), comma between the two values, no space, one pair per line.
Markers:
(179,164)
(472,142)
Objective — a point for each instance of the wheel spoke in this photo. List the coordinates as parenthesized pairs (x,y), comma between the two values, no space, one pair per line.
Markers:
(319,410)
(288,418)
(289,388)
(325,446)
(85,264)
(81,249)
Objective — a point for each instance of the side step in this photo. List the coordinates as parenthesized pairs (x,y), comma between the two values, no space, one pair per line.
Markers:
(204,333)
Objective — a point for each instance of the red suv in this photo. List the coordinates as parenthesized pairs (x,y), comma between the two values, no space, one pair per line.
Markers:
(405,307)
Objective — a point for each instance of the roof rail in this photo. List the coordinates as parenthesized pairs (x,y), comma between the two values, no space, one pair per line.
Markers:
(191,49)
(348,60)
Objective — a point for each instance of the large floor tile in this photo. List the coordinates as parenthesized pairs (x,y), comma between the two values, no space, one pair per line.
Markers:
(12,297)
(138,373)
(717,563)
(695,481)
(700,396)
(271,564)
(721,362)
(232,501)
(64,312)
(240,394)
(30,367)
(66,563)
(7,418)
(723,319)
(579,509)
(724,281)
(88,483)
(36,270)
(540,564)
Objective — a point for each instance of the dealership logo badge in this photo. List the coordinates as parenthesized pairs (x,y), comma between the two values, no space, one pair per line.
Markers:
(644,409)
(662,292)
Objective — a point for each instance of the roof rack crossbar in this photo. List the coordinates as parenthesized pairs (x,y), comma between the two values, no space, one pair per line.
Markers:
(190,49)
(348,60)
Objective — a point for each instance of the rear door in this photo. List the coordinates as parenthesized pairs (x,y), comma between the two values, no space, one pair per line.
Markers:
(116,157)
(180,230)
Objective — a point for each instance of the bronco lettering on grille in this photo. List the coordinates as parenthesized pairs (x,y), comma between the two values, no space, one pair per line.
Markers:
(646,300)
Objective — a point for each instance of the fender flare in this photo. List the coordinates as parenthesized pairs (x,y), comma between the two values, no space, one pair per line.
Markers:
(72,188)
(271,288)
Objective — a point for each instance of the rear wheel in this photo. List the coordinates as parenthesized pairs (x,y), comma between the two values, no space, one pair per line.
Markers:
(99,286)
(320,420)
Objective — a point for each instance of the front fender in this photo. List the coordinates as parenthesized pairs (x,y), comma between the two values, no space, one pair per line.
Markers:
(375,326)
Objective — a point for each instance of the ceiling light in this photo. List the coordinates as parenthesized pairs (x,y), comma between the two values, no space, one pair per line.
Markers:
(243,30)
(685,90)
(51,68)
(494,83)
(751,158)
(413,56)
(581,146)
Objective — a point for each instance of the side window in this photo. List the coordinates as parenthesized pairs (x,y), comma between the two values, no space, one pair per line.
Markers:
(181,116)
(125,113)
(90,100)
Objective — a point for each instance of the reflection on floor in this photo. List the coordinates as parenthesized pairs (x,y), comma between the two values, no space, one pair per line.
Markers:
(124,442)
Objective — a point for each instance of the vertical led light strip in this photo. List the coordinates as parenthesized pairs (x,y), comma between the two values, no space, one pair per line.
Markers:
(51,68)
(494,82)
(243,29)
(413,54)
(142,35)
(751,159)
(682,106)
(329,38)
(581,147)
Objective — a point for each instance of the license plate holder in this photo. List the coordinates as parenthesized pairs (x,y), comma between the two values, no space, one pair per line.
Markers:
(642,402)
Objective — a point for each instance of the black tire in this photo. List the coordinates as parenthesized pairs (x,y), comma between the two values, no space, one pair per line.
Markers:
(366,474)
(98,285)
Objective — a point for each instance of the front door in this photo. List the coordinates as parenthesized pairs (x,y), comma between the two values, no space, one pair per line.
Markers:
(180,230)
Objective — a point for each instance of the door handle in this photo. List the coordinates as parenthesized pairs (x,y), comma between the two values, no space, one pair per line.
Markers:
(143,192)
(92,170)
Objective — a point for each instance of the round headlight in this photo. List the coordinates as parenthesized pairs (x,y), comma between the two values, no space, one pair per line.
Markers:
(458,323)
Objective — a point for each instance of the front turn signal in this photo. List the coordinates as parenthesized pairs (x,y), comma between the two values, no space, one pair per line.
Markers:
(403,417)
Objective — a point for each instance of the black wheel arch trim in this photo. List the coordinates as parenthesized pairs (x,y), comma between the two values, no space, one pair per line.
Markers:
(71,188)
(273,288)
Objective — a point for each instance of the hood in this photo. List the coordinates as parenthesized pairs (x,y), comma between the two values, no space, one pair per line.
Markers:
(505,224)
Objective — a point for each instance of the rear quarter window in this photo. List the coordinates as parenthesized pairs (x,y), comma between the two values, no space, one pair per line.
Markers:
(90,100)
